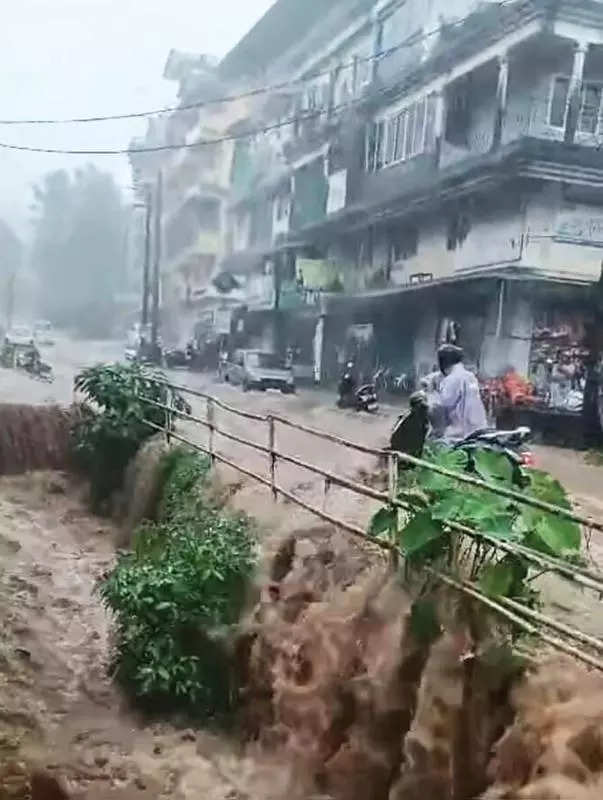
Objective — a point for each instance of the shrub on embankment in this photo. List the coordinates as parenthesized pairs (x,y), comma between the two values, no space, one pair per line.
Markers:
(173,596)
(115,420)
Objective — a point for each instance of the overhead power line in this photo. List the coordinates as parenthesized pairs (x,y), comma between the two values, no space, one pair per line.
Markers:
(414,39)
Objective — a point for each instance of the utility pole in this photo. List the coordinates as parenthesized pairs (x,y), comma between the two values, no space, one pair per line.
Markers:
(10,299)
(156,267)
(146,269)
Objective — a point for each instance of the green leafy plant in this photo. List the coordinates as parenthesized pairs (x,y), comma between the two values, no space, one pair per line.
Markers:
(113,420)
(185,581)
(436,500)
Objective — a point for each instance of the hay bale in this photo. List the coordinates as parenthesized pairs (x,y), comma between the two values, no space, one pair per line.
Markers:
(34,438)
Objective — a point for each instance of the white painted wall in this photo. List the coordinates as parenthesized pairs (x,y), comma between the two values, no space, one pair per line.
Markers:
(508,347)
(564,237)
(508,229)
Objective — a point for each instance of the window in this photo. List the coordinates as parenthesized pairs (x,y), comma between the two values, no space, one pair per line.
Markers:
(392,135)
(558,102)
(402,136)
(282,206)
(590,110)
(458,116)
(312,98)
(404,242)
(399,151)
(590,105)
(375,146)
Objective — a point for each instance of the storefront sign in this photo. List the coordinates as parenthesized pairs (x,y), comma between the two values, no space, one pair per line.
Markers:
(222,320)
(580,224)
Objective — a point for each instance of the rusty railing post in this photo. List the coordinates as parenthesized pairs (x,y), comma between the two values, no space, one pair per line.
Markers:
(272,447)
(392,492)
(210,422)
(168,414)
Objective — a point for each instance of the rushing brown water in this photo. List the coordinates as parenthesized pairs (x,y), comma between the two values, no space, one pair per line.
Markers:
(339,699)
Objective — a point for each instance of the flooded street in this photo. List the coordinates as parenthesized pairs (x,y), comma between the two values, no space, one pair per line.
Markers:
(58,705)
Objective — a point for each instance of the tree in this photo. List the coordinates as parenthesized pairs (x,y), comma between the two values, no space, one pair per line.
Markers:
(11,252)
(78,249)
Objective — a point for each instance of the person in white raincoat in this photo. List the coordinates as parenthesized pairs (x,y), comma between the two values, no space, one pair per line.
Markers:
(458,399)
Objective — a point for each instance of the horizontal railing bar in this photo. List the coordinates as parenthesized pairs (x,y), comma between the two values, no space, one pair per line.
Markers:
(353,529)
(518,497)
(330,437)
(358,532)
(587,578)
(204,396)
(373,494)
(509,493)
(520,622)
(584,577)
(206,424)
(560,627)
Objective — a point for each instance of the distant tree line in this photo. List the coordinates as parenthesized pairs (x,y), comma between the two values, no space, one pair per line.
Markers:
(11,254)
(78,252)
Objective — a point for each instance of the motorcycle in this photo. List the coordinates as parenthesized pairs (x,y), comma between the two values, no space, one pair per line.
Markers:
(177,358)
(363,398)
(411,429)
(511,443)
(35,368)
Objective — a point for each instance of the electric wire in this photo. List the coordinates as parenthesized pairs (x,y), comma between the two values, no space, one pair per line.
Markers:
(413,39)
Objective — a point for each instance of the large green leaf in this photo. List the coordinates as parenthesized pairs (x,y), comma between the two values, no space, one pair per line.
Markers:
(448,507)
(492,466)
(455,460)
(546,488)
(555,535)
(496,579)
(383,521)
(505,578)
(420,534)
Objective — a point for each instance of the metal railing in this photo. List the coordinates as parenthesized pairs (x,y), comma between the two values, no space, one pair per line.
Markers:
(523,617)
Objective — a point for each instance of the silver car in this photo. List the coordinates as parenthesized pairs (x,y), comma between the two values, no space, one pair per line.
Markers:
(255,369)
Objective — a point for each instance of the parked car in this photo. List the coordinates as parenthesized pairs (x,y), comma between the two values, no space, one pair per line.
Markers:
(255,369)
(43,332)
(20,335)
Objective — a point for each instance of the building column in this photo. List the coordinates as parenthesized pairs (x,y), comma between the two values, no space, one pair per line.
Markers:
(377,47)
(574,94)
(501,100)
(439,126)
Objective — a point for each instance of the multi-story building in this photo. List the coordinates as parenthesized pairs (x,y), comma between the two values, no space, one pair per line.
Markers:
(195,188)
(433,162)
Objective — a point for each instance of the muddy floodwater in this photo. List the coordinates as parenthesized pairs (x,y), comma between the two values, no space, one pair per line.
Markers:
(60,710)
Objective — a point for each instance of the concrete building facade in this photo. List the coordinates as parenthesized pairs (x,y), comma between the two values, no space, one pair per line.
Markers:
(432,161)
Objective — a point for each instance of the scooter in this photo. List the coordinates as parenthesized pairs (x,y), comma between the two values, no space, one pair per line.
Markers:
(363,398)
(511,443)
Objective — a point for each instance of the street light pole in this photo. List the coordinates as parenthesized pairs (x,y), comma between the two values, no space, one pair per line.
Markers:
(157,267)
(148,206)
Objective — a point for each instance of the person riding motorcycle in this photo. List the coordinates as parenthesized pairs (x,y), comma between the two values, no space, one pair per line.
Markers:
(458,398)
(347,383)
(31,359)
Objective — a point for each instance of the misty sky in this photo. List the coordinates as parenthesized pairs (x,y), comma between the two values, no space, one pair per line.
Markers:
(89,57)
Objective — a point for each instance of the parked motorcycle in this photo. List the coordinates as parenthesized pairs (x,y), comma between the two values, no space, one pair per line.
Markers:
(386,382)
